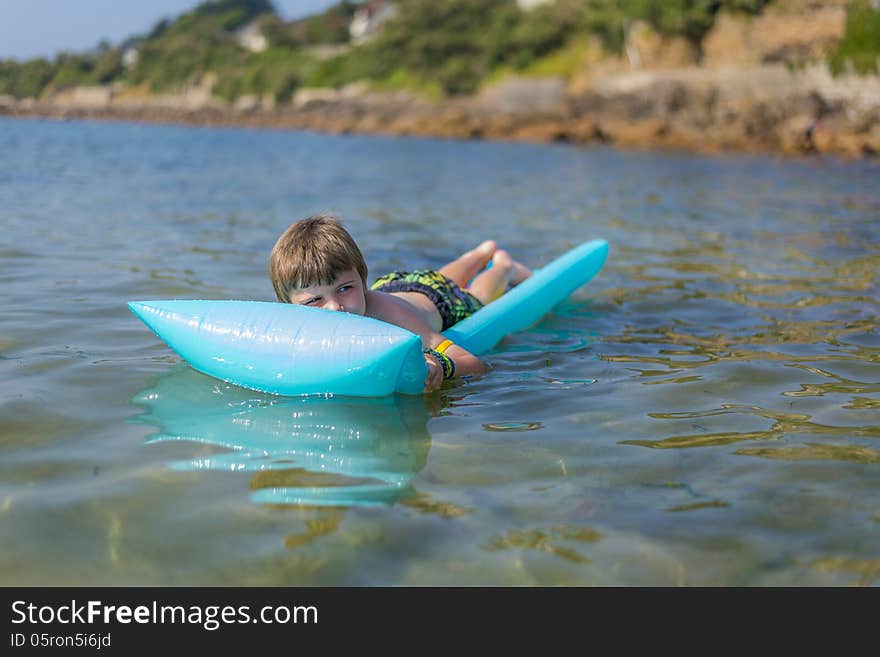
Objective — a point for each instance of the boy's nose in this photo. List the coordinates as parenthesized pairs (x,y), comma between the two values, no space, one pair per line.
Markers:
(333,305)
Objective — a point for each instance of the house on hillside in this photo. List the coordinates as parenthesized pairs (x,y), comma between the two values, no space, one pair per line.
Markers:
(130,52)
(368,19)
(251,37)
(130,58)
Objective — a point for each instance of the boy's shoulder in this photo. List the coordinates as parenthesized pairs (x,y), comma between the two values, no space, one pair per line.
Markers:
(385,306)
(394,310)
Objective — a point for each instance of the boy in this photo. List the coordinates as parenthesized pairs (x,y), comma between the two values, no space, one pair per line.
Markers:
(316,263)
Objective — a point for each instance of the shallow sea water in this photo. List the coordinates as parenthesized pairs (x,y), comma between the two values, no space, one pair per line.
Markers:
(706,412)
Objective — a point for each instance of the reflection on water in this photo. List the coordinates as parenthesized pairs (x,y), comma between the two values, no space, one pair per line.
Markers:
(549,540)
(513,426)
(783,424)
(312,451)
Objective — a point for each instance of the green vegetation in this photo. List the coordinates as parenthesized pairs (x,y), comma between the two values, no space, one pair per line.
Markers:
(329,27)
(444,41)
(861,41)
(275,72)
(204,41)
(198,42)
(25,80)
(691,19)
(438,47)
(174,53)
(459,43)
(99,68)
(32,78)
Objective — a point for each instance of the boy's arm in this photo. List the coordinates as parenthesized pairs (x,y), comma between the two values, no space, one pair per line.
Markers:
(466,364)
(395,311)
(447,360)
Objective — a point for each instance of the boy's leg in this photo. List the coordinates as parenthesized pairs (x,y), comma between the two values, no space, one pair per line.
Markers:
(492,283)
(469,264)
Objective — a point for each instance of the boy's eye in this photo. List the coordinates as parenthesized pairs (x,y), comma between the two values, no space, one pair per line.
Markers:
(344,288)
(312,301)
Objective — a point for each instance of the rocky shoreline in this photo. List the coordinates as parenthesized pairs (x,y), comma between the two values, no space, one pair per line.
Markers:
(768,109)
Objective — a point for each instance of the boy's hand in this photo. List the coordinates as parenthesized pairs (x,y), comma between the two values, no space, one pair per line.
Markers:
(435,373)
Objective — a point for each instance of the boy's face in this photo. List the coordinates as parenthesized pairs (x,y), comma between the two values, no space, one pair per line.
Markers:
(346,293)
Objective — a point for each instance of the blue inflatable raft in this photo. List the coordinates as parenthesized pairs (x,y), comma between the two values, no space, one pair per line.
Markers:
(287,349)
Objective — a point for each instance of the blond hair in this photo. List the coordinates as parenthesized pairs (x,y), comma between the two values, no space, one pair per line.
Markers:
(313,251)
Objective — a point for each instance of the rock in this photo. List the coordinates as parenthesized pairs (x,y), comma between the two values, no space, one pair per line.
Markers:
(585,130)
(246,103)
(312,96)
(788,31)
(84,97)
(647,49)
(797,134)
(520,95)
(627,133)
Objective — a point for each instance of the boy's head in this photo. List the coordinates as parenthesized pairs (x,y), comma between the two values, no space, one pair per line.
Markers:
(314,251)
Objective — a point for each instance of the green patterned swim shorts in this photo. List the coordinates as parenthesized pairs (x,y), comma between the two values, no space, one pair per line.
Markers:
(453,303)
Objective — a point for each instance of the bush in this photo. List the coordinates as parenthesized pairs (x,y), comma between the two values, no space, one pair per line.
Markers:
(691,19)
(177,58)
(341,70)
(688,18)
(108,64)
(90,69)
(25,79)
(202,41)
(227,15)
(458,76)
(519,38)
(445,41)
(331,26)
(861,40)
(275,72)
(607,19)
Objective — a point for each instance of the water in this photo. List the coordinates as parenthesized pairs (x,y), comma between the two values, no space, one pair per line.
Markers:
(705,412)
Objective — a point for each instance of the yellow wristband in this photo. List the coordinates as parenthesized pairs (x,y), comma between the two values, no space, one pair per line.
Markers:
(443,346)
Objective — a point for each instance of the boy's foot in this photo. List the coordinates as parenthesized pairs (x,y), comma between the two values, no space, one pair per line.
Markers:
(486,250)
(469,264)
(517,272)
